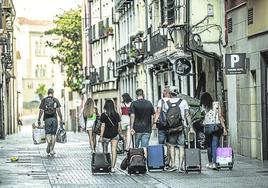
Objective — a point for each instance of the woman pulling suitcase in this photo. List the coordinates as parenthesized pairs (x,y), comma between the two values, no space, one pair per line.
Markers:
(110,129)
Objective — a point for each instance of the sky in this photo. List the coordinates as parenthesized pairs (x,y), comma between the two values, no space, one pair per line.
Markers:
(43,9)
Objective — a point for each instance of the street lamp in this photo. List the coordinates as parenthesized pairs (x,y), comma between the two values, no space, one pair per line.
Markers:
(138,43)
(123,54)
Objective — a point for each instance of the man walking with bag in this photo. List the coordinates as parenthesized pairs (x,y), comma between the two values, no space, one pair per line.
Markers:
(50,107)
(177,118)
(142,112)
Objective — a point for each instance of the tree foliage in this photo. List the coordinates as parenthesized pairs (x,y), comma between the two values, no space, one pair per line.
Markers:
(41,91)
(69,46)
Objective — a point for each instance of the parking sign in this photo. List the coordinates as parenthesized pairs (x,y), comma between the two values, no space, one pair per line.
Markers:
(235,63)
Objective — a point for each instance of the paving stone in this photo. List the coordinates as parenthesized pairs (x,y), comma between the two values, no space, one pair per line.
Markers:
(71,167)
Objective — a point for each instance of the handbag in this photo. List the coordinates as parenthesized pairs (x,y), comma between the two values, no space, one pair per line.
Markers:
(162,120)
(82,121)
(97,126)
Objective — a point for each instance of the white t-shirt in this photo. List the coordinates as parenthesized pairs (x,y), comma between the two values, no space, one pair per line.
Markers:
(212,116)
(183,106)
(159,104)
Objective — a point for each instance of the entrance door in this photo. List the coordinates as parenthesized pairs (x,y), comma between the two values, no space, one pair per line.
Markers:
(264,100)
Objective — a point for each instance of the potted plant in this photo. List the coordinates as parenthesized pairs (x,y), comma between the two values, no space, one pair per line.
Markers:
(109,30)
(132,54)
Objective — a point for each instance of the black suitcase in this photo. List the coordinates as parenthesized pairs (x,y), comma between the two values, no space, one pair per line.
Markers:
(137,164)
(101,163)
(192,156)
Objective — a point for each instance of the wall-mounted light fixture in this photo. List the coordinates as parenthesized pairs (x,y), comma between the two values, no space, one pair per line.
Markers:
(123,54)
(110,66)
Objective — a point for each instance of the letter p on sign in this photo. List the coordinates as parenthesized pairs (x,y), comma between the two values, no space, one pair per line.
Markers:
(234,60)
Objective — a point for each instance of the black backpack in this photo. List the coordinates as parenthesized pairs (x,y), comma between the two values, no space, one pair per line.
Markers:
(174,118)
(50,107)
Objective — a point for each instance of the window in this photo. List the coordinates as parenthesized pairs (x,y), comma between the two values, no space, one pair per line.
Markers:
(40,47)
(230,25)
(250,16)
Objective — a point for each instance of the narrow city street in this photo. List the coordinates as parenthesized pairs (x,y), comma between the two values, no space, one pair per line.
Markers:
(71,168)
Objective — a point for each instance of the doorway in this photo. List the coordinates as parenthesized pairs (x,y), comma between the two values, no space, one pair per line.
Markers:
(264,106)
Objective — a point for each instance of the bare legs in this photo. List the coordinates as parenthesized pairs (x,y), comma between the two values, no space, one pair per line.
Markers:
(92,140)
(114,144)
(114,154)
(127,138)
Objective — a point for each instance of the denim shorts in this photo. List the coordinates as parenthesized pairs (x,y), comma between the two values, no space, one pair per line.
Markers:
(176,138)
(106,142)
(162,136)
(142,140)
(51,125)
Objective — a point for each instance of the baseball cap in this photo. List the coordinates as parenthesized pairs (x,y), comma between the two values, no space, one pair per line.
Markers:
(173,90)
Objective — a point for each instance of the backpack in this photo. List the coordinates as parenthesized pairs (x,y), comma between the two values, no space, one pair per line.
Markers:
(162,120)
(174,118)
(50,108)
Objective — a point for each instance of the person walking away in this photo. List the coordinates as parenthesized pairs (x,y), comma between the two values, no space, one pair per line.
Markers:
(110,130)
(50,107)
(125,119)
(142,112)
(89,113)
(176,136)
(214,121)
(160,120)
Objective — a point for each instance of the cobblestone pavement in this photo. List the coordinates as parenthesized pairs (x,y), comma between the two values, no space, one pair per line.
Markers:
(71,168)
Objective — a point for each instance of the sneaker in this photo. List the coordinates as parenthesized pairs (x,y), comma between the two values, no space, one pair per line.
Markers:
(172,169)
(181,170)
(52,152)
(112,170)
(214,166)
(209,165)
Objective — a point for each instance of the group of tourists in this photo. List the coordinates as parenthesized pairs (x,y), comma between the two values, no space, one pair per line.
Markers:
(135,121)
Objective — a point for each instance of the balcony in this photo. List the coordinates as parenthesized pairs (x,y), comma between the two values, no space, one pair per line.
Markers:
(121,4)
(158,42)
(102,30)
(94,34)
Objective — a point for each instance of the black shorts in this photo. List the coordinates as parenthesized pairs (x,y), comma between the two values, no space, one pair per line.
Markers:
(51,125)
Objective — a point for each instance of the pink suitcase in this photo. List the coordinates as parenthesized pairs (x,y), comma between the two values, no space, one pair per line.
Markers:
(224,156)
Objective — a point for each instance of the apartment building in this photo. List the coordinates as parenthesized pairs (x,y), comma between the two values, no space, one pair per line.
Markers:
(99,51)
(247,28)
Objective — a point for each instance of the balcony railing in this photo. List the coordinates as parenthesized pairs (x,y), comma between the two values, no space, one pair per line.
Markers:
(158,42)
(120,4)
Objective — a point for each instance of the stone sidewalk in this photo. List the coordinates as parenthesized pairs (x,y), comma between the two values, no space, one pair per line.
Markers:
(71,168)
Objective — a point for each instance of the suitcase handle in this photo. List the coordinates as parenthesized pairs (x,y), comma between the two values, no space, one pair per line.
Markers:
(189,141)
(228,140)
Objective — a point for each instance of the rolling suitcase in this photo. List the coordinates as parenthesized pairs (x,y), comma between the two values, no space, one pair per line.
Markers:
(155,157)
(136,160)
(192,156)
(101,163)
(225,156)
